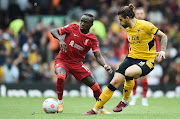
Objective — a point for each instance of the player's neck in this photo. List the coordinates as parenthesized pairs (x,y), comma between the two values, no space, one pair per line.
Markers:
(84,31)
(132,23)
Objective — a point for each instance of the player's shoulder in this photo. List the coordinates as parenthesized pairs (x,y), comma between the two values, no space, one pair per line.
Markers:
(92,36)
(141,22)
(144,22)
(71,26)
(74,25)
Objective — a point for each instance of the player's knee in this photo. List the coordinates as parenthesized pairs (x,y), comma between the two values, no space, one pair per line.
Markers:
(129,73)
(137,76)
(58,70)
(115,82)
(61,76)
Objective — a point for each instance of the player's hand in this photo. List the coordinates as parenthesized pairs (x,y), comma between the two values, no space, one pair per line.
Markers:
(108,69)
(160,55)
(63,45)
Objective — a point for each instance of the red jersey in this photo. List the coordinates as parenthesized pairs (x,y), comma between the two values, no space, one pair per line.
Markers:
(78,44)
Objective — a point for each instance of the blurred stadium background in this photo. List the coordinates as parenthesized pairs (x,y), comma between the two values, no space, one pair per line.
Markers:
(27,49)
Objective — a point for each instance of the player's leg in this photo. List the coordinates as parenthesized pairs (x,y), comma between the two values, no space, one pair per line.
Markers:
(90,81)
(134,97)
(145,87)
(146,69)
(61,75)
(84,75)
(135,86)
(61,71)
(117,80)
(134,71)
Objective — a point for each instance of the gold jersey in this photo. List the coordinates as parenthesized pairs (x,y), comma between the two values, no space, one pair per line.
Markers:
(141,40)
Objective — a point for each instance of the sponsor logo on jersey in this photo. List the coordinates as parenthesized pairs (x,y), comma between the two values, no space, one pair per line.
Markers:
(73,44)
(138,31)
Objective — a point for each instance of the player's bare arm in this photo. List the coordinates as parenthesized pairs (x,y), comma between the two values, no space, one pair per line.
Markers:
(55,34)
(164,39)
(102,62)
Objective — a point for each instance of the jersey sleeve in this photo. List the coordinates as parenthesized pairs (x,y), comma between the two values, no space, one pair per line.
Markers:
(95,45)
(65,30)
(150,28)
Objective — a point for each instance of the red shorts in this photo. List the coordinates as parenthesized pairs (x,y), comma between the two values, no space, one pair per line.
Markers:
(78,70)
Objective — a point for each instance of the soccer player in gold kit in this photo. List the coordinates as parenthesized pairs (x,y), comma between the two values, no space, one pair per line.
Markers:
(140,14)
(139,62)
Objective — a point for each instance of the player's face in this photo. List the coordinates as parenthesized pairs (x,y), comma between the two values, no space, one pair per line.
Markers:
(140,14)
(86,22)
(123,21)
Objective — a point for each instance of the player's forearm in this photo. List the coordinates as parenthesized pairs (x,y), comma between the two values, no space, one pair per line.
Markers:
(99,58)
(101,61)
(55,34)
(164,42)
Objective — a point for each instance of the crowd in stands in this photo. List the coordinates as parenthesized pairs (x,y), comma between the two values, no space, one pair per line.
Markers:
(28,55)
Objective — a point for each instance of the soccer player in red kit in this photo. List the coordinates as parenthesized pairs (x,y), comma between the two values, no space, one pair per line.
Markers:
(78,41)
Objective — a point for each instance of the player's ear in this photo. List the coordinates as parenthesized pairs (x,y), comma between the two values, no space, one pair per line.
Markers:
(127,18)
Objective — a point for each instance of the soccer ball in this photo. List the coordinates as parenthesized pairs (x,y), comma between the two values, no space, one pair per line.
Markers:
(50,105)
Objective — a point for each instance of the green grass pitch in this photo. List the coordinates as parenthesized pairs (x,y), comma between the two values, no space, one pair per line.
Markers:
(31,108)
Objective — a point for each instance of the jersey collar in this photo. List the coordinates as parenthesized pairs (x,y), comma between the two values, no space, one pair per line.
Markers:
(134,24)
(83,33)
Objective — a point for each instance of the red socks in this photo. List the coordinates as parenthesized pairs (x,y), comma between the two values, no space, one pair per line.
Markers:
(135,86)
(60,85)
(145,87)
(96,90)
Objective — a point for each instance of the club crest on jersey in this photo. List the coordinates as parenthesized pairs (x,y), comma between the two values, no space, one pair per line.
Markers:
(141,63)
(138,31)
(129,38)
(86,41)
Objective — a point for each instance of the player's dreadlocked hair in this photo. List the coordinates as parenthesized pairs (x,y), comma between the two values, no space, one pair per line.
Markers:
(127,11)
(90,15)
